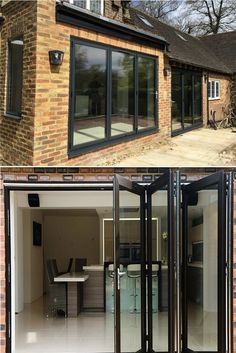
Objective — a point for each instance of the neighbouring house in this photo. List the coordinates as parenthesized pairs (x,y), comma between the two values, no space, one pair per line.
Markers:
(81,79)
(223,45)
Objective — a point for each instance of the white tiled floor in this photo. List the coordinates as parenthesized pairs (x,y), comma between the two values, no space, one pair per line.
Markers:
(93,332)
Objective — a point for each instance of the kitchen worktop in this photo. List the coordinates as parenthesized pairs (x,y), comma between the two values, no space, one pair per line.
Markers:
(72,277)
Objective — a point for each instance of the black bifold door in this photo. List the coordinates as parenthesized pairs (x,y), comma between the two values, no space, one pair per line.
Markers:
(171,252)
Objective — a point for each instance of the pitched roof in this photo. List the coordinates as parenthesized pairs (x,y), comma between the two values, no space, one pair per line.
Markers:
(224,47)
(182,47)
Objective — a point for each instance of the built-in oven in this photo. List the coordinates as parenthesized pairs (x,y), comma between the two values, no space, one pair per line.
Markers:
(135,253)
(130,253)
(124,253)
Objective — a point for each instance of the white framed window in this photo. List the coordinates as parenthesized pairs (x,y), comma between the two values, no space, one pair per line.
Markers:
(213,89)
(96,6)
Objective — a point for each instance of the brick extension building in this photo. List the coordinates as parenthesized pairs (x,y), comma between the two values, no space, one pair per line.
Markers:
(125,78)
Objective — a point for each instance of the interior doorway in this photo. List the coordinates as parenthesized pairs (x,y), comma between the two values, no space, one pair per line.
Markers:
(144,245)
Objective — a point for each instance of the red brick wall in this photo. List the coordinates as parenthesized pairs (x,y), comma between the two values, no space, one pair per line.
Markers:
(2,273)
(234,273)
(16,136)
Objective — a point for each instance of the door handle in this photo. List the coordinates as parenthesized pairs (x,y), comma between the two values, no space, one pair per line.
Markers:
(119,275)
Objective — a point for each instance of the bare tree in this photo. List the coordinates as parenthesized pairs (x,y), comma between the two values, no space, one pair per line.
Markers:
(161,9)
(202,17)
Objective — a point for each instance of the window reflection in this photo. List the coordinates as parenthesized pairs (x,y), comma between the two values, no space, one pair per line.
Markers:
(197,98)
(90,94)
(122,93)
(146,93)
(186,99)
(176,101)
(113,94)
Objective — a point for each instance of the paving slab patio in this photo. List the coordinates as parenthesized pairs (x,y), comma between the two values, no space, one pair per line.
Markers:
(202,147)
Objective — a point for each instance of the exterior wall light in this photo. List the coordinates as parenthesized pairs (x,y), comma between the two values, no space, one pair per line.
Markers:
(166,71)
(56,57)
(125,4)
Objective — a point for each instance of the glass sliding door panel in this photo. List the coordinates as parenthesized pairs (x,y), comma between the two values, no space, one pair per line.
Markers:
(90,87)
(146,93)
(123,94)
(130,263)
(202,273)
(160,271)
(197,98)
(188,98)
(176,100)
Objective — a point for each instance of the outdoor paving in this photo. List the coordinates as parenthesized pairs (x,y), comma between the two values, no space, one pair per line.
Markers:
(202,147)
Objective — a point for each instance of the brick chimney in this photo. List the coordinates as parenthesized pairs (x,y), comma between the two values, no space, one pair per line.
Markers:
(117,10)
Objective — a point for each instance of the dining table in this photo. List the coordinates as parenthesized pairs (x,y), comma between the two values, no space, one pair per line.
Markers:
(74,291)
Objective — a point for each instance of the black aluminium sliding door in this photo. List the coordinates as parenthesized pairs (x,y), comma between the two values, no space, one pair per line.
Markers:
(184,232)
(156,305)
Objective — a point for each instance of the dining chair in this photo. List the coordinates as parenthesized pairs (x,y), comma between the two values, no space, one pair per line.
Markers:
(70,264)
(79,263)
(56,294)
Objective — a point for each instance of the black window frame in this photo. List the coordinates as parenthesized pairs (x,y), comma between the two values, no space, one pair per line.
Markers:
(197,124)
(109,140)
(9,113)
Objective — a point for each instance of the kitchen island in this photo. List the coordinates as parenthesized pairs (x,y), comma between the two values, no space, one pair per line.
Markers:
(94,288)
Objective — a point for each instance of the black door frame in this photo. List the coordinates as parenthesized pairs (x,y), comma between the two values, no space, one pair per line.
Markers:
(208,182)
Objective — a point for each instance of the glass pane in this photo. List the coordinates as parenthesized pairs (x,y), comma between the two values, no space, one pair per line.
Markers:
(15,78)
(213,92)
(130,281)
(146,93)
(188,94)
(80,3)
(122,93)
(160,271)
(90,86)
(202,272)
(197,98)
(217,89)
(176,100)
(95,6)
(209,89)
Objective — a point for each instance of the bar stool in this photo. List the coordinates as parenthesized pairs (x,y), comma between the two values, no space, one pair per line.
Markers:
(134,272)
(155,270)
(111,275)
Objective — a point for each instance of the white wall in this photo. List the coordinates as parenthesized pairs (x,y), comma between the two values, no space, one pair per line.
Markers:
(19,265)
(74,236)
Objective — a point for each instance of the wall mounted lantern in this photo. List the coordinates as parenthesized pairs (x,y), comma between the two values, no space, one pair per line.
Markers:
(56,57)
(166,71)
